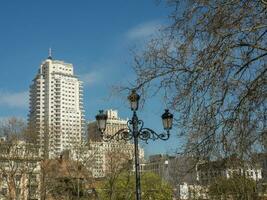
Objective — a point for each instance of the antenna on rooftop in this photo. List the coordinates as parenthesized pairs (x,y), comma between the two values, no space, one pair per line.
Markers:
(50,54)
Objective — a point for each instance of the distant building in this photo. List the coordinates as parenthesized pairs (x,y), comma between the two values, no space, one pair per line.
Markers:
(56,107)
(19,170)
(261,160)
(207,172)
(191,177)
(104,152)
(114,124)
(192,191)
(174,169)
(179,171)
(158,164)
(101,150)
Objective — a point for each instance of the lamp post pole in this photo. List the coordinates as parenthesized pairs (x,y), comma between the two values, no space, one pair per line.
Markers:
(136,154)
(135,131)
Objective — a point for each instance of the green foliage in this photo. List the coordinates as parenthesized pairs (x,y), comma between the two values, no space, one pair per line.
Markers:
(152,187)
(155,188)
(237,187)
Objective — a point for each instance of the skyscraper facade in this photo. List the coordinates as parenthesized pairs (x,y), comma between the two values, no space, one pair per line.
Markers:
(56,107)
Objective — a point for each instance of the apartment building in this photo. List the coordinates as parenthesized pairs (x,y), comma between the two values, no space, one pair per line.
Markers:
(208,171)
(103,150)
(56,107)
(19,170)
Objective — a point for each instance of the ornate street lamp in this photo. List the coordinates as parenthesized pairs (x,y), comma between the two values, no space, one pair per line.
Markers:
(134,100)
(135,131)
(101,119)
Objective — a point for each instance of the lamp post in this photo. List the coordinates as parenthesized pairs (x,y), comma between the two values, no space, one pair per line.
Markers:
(135,131)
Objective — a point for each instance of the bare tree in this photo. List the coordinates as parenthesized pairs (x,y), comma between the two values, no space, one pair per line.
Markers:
(18,160)
(117,163)
(210,65)
(70,175)
(119,182)
(84,159)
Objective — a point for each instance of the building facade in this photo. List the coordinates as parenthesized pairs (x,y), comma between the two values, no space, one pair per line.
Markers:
(261,160)
(56,107)
(19,170)
(179,171)
(158,164)
(114,124)
(103,151)
(107,156)
(208,172)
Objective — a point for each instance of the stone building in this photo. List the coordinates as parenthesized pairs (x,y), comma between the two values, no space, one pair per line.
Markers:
(102,150)
(207,172)
(19,170)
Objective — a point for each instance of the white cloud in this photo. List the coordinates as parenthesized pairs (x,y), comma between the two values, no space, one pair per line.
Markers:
(90,78)
(14,100)
(144,30)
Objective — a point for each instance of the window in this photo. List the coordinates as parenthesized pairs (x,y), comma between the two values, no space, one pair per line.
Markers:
(4,191)
(18,177)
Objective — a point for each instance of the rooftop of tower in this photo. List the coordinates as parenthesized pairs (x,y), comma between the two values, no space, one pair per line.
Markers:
(50,54)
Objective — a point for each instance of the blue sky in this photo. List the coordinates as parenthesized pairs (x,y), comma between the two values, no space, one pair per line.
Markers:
(96,36)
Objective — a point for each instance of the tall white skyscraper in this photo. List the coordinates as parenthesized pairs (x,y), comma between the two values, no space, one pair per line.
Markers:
(56,107)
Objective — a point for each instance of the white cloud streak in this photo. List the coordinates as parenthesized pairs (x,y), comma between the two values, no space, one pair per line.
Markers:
(144,30)
(14,100)
(90,78)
